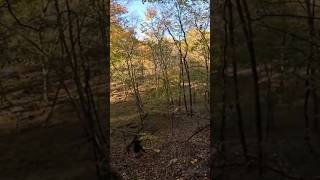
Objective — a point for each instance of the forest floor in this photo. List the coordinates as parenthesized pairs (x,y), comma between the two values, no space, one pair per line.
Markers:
(168,155)
(286,153)
(34,152)
(61,152)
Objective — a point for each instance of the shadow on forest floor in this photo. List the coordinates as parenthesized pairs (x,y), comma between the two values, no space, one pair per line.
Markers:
(34,152)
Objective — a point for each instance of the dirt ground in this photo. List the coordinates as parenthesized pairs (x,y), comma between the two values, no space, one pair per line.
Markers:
(286,153)
(61,151)
(32,151)
(168,155)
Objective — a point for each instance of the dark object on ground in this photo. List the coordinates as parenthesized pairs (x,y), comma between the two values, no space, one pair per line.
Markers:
(136,146)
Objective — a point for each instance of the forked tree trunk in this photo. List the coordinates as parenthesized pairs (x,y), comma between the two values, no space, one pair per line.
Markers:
(245,19)
(235,81)
(211,88)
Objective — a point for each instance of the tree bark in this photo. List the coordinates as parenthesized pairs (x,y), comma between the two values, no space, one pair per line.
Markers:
(245,18)
(235,81)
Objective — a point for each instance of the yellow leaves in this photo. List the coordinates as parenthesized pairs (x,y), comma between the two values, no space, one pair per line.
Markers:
(119,37)
(193,36)
(143,48)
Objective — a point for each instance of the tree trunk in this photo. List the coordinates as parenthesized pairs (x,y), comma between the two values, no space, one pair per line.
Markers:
(235,81)
(213,5)
(245,19)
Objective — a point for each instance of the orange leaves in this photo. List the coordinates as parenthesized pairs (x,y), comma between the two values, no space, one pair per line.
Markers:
(116,9)
(150,13)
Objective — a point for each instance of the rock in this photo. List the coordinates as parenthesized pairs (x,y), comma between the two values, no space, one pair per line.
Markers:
(172,161)
(194,161)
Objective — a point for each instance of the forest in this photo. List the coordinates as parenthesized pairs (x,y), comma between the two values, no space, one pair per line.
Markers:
(264,89)
(159,89)
(54,89)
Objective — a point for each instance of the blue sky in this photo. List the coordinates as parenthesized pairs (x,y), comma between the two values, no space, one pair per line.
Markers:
(136,8)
